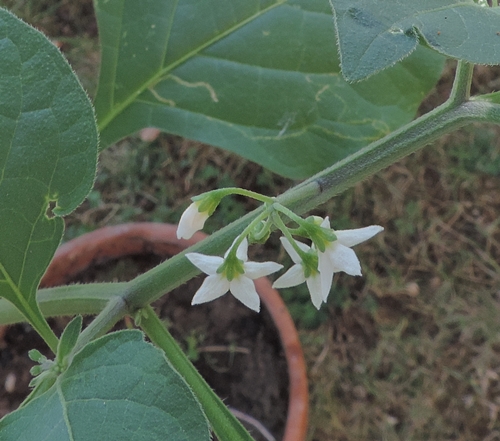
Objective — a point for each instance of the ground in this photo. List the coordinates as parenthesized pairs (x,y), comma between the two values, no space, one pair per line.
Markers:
(409,351)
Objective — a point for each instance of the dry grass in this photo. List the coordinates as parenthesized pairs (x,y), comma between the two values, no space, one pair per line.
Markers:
(415,353)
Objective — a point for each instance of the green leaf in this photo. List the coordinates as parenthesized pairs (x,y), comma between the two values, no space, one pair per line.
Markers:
(493,97)
(68,340)
(48,151)
(260,78)
(374,35)
(117,388)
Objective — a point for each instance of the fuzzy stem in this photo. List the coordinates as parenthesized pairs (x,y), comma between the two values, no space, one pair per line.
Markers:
(114,311)
(455,113)
(286,232)
(223,422)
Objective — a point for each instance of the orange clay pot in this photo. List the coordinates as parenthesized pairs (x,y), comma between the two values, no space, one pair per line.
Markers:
(142,238)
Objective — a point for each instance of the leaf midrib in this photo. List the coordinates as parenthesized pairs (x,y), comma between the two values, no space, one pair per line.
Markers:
(117,109)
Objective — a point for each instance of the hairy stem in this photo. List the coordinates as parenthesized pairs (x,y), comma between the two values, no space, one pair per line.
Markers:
(455,113)
(223,422)
(114,311)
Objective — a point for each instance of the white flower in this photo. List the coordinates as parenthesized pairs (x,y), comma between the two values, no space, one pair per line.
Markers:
(338,255)
(296,274)
(191,221)
(241,286)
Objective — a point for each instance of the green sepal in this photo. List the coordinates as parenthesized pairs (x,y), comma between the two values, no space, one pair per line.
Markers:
(310,263)
(208,202)
(231,267)
(318,234)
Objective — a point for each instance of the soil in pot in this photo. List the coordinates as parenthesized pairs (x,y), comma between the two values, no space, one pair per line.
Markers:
(236,350)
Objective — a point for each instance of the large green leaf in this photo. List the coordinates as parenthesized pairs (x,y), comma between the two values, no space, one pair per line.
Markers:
(257,77)
(48,150)
(117,388)
(376,34)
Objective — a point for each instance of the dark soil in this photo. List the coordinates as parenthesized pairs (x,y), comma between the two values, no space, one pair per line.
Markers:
(236,350)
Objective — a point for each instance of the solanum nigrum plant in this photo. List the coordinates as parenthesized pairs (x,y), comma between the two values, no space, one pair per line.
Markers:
(328,101)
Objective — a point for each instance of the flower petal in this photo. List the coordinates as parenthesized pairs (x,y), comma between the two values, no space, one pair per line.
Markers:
(244,290)
(326,272)
(212,288)
(349,238)
(314,286)
(207,264)
(291,251)
(293,277)
(191,221)
(242,251)
(344,259)
(326,223)
(254,270)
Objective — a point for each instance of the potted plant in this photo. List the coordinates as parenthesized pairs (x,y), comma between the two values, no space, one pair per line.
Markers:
(115,242)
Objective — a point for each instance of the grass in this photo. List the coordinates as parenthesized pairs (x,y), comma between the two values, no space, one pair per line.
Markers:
(423,361)
(410,351)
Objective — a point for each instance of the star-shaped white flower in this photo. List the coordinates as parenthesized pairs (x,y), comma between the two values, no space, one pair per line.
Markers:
(191,221)
(338,255)
(241,286)
(297,274)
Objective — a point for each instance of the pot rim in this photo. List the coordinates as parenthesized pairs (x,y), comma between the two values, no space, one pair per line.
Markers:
(128,239)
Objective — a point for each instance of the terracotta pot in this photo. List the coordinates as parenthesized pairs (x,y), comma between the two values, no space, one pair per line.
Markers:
(142,238)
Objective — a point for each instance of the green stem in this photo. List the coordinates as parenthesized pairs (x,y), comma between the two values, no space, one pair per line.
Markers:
(115,310)
(242,192)
(289,213)
(44,330)
(264,231)
(65,300)
(247,231)
(460,92)
(223,422)
(451,115)
(380,154)
(286,232)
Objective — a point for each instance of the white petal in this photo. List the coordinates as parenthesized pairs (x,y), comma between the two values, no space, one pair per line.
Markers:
(314,286)
(242,251)
(344,259)
(254,270)
(291,251)
(244,290)
(212,288)
(326,272)
(349,238)
(293,277)
(207,264)
(326,222)
(191,221)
